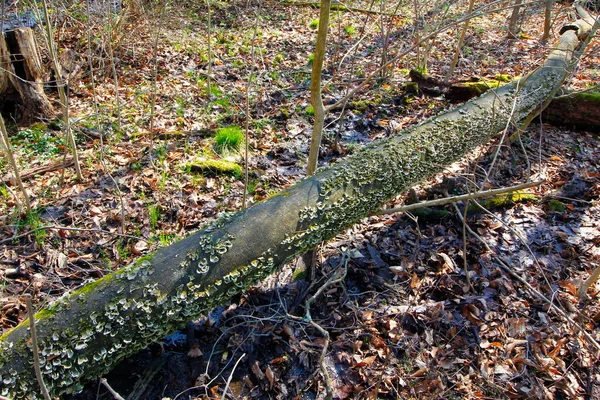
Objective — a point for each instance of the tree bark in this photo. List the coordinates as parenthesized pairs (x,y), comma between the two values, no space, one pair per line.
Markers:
(547,19)
(21,76)
(513,28)
(83,335)
(315,88)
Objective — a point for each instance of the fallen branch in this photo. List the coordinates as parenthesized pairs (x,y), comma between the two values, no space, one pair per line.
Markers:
(69,228)
(42,169)
(335,278)
(456,199)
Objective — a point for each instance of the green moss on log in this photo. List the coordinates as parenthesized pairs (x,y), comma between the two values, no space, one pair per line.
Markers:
(589,96)
(216,167)
(504,200)
(482,85)
(503,78)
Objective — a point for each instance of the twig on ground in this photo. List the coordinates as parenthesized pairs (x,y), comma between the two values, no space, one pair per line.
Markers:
(454,199)
(463,218)
(337,277)
(231,376)
(34,348)
(116,395)
(67,228)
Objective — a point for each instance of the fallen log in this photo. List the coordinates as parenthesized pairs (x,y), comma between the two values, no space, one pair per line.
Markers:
(84,334)
(575,111)
(42,169)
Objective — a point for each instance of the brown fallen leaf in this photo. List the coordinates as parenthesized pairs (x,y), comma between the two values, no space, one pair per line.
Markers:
(139,247)
(255,368)
(414,281)
(270,377)
(364,362)
(419,373)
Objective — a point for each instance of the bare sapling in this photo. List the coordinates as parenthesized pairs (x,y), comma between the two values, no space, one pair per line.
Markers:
(248,116)
(158,24)
(459,44)
(111,53)
(62,85)
(13,163)
(315,88)
(513,23)
(208,49)
(547,19)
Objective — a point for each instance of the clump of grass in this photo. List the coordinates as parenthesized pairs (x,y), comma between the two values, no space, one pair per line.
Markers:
(229,138)
(314,23)
(4,192)
(350,30)
(33,221)
(556,205)
(165,239)
(154,212)
(310,110)
(278,59)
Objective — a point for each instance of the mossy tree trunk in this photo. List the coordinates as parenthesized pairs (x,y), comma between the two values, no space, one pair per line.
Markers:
(83,335)
(577,110)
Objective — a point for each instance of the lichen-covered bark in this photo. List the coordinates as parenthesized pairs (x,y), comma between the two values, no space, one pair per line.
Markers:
(84,334)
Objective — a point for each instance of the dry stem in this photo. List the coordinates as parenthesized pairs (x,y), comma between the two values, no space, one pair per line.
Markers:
(116,395)
(34,348)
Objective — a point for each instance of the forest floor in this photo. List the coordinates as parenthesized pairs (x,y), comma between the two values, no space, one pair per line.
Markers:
(418,311)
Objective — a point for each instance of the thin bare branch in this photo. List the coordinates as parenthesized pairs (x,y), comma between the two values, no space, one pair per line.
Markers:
(455,199)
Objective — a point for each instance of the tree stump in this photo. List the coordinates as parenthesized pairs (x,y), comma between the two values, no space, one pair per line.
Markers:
(22,96)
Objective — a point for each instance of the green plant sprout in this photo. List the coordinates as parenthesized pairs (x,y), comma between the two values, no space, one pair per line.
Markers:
(154,213)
